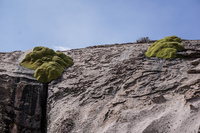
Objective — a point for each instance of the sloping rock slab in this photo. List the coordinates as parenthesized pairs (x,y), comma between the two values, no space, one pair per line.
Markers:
(110,89)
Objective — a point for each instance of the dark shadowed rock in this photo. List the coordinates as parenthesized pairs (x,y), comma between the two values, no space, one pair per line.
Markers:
(20,96)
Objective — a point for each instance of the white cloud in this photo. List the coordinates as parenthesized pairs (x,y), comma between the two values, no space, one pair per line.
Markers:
(61,48)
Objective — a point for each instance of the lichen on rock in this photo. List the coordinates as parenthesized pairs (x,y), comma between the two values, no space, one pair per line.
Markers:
(48,65)
(165,48)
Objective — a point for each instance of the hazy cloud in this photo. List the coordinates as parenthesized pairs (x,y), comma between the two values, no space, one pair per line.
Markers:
(61,48)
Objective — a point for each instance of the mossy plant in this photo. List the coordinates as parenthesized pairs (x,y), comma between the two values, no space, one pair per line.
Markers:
(165,48)
(47,63)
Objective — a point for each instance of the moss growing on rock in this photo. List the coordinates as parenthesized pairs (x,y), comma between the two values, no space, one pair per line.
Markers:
(165,48)
(48,65)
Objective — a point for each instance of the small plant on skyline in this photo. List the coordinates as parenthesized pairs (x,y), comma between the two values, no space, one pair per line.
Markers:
(143,40)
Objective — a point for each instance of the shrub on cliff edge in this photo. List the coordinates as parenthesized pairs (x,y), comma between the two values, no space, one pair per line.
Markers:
(143,40)
(48,65)
(165,48)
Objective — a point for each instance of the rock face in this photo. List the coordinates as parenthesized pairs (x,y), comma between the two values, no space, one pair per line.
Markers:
(116,89)
(20,96)
(109,89)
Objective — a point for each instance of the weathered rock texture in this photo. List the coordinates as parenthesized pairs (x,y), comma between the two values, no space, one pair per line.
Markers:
(20,96)
(116,89)
(109,89)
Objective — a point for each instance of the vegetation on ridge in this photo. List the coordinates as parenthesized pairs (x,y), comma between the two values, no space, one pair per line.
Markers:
(143,40)
(48,65)
(165,48)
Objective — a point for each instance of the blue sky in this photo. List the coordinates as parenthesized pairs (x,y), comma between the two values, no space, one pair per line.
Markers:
(63,24)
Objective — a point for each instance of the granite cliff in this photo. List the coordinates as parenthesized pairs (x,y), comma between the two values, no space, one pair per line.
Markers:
(109,89)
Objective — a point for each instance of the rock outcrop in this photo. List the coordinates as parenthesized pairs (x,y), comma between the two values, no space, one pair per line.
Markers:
(21,97)
(109,89)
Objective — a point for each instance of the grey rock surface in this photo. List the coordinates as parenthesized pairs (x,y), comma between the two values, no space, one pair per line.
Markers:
(116,89)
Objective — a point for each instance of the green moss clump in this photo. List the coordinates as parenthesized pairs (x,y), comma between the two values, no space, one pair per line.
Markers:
(165,48)
(48,71)
(48,65)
